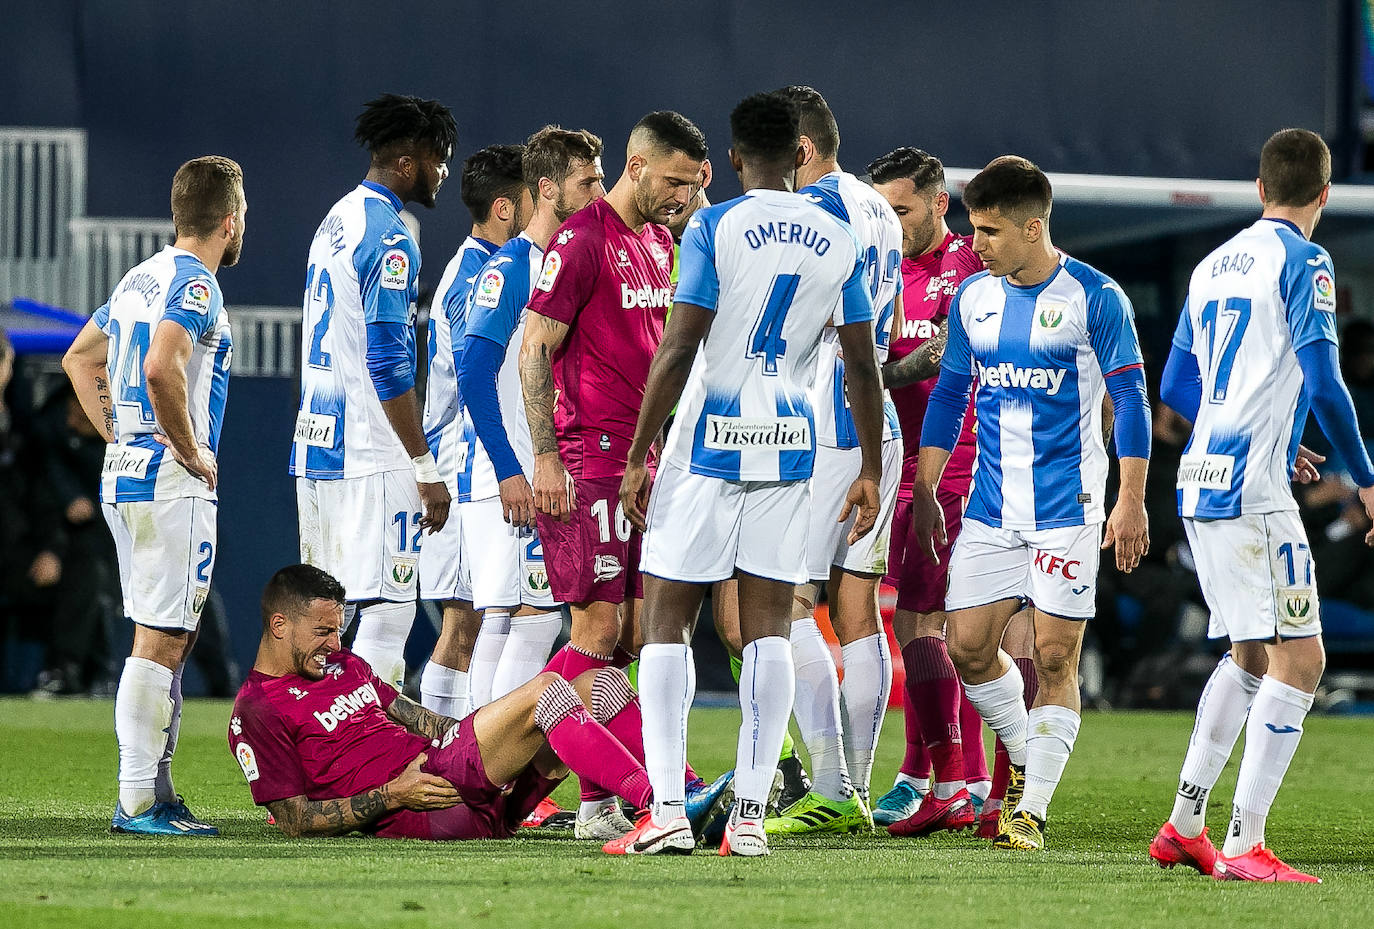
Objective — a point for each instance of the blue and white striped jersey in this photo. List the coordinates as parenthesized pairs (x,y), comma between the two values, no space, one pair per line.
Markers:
(173,285)
(446,429)
(496,311)
(880,241)
(776,269)
(364,268)
(1252,303)
(1040,355)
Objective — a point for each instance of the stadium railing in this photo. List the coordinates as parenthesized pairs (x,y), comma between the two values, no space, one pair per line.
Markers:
(103,249)
(267,340)
(42,189)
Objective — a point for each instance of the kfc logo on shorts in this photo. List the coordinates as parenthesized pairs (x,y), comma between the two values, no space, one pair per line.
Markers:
(1053,565)
(607,567)
(247,761)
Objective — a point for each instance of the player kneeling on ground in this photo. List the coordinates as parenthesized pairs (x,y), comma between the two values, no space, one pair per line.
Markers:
(329,748)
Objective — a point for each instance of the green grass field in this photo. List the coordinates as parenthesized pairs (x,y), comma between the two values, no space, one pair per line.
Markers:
(60,867)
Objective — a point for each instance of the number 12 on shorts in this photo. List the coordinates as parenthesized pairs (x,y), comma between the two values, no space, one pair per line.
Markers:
(412,520)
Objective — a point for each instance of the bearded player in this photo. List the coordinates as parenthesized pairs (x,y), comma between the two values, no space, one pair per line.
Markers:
(593,323)
(329,748)
(367,484)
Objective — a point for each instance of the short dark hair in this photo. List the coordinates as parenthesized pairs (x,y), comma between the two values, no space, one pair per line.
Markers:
(674,132)
(765,126)
(1012,185)
(817,121)
(395,124)
(490,174)
(551,152)
(922,168)
(204,191)
(1295,165)
(291,589)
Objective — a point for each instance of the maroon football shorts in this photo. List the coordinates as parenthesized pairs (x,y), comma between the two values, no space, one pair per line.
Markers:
(920,582)
(487,811)
(594,556)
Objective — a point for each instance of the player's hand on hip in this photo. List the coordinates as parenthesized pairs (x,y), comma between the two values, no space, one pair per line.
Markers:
(863,493)
(1305,468)
(1128,528)
(436,503)
(202,464)
(927,522)
(413,789)
(517,501)
(634,494)
(553,487)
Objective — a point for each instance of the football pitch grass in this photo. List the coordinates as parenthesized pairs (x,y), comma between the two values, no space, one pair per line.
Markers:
(60,867)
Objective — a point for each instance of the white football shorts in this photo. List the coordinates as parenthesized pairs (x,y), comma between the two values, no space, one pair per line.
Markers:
(507,563)
(1257,576)
(835,470)
(365,531)
(166,551)
(444,572)
(700,529)
(1056,569)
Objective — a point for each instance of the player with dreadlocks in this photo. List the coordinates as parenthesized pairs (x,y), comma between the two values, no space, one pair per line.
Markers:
(367,485)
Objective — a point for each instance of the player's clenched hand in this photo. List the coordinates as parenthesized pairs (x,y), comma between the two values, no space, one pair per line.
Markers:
(1305,469)
(927,521)
(202,464)
(436,503)
(1128,528)
(553,487)
(1367,498)
(517,501)
(413,789)
(634,494)
(863,493)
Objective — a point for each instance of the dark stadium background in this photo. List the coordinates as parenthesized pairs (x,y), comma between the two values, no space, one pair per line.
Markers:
(1082,87)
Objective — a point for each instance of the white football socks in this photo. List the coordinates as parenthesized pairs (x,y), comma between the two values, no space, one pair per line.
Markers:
(1053,730)
(164,790)
(1221,713)
(526,651)
(486,655)
(864,692)
(383,628)
(766,686)
(817,709)
(667,686)
(920,784)
(1271,738)
(143,711)
(444,690)
(1002,707)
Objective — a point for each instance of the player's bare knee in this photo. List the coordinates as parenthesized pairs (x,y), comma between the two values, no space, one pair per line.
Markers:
(1056,663)
(972,660)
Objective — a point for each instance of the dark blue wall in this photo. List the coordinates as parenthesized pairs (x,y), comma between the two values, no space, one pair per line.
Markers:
(1153,87)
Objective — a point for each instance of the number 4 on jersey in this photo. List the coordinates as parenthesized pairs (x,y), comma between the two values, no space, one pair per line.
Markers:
(767,341)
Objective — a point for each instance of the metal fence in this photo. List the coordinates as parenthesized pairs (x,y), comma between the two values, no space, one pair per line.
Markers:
(102,250)
(42,188)
(267,340)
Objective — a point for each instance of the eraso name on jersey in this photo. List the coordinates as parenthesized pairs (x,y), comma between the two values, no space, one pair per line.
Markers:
(732,433)
(1007,374)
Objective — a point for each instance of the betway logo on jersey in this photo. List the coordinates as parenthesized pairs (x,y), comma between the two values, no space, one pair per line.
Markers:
(645,298)
(1206,472)
(1007,374)
(733,433)
(345,705)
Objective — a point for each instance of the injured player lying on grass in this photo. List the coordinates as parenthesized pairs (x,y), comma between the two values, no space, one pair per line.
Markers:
(329,748)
